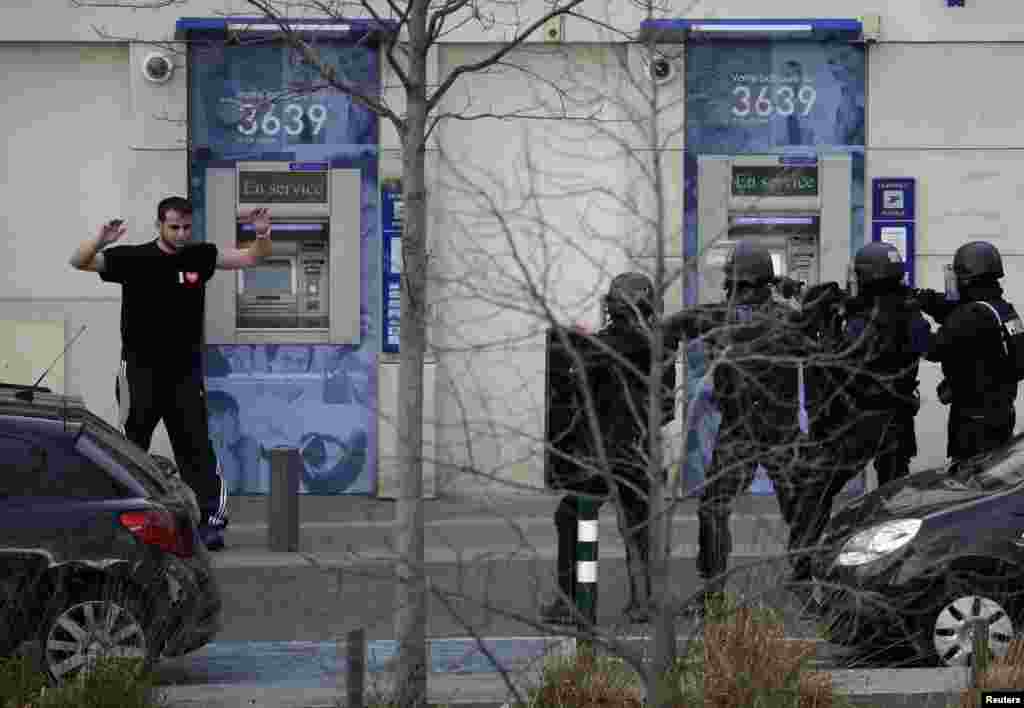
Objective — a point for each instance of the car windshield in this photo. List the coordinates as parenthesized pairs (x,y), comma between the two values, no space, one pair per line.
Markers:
(132,458)
(999,470)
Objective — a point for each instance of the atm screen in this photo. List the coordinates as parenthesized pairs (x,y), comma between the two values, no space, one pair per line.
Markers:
(269,279)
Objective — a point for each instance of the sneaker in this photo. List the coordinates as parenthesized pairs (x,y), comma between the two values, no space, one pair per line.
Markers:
(557,612)
(212,537)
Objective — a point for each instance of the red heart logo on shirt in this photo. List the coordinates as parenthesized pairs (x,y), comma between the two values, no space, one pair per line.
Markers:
(192,278)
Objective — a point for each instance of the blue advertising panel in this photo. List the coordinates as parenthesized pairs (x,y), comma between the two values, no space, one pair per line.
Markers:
(391,231)
(319,398)
(260,101)
(264,98)
(795,98)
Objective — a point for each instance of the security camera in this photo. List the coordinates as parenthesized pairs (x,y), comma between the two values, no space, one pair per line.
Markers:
(660,69)
(158,67)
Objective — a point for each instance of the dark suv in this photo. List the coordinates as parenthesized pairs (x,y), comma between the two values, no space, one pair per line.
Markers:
(99,550)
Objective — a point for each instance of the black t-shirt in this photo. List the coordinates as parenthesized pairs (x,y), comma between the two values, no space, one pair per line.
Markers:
(163,300)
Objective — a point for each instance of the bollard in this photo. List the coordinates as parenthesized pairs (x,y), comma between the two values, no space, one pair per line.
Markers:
(586,562)
(283,502)
(356,667)
(981,655)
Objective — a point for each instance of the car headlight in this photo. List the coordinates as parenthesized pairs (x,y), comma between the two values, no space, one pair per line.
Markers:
(878,541)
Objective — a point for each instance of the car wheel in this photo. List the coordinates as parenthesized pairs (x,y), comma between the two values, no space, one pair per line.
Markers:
(947,636)
(93,625)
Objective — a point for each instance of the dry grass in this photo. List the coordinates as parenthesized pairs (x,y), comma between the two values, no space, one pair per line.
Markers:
(744,661)
(587,680)
(1003,674)
(747,662)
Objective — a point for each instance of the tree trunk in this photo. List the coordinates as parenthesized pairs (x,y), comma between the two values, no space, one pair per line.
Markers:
(411,594)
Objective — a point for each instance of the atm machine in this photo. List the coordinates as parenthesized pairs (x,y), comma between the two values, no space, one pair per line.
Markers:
(799,207)
(308,289)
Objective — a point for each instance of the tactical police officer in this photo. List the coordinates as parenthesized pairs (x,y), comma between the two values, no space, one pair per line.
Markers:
(616,364)
(887,337)
(871,371)
(755,345)
(978,345)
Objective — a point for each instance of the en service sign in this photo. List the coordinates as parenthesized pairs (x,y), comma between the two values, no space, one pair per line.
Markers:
(775,181)
(282,187)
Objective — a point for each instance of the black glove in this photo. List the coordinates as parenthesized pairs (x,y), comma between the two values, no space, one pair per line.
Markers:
(933,303)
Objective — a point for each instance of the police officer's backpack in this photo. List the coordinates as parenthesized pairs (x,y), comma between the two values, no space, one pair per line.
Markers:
(1012,330)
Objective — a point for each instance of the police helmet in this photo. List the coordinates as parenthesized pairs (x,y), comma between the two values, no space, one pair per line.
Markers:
(976,259)
(749,262)
(628,293)
(878,261)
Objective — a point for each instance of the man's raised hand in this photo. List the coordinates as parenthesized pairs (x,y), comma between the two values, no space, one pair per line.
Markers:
(111,231)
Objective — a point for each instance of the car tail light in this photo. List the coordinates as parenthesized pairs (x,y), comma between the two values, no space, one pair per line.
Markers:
(158,527)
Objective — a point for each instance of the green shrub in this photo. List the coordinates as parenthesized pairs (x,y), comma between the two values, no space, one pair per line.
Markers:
(20,682)
(112,683)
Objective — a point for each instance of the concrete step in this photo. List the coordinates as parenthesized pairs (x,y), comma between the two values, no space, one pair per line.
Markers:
(752,534)
(472,504)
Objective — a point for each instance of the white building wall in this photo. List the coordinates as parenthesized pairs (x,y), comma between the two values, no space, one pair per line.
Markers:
(86,142)
(941,113)
(88,139)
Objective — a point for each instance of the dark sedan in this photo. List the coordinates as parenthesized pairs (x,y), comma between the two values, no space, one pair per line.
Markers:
(914,562)
(99,550)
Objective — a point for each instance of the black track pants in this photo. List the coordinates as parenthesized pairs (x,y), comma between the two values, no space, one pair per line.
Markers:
(146,395)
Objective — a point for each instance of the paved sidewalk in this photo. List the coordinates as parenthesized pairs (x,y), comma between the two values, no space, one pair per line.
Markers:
(313,674)
(453,506)
(880,688)
(522,523)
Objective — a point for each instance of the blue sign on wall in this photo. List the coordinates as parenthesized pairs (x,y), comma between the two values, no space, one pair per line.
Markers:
(391,231)
(899,234)
(892,198)
(892,222)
